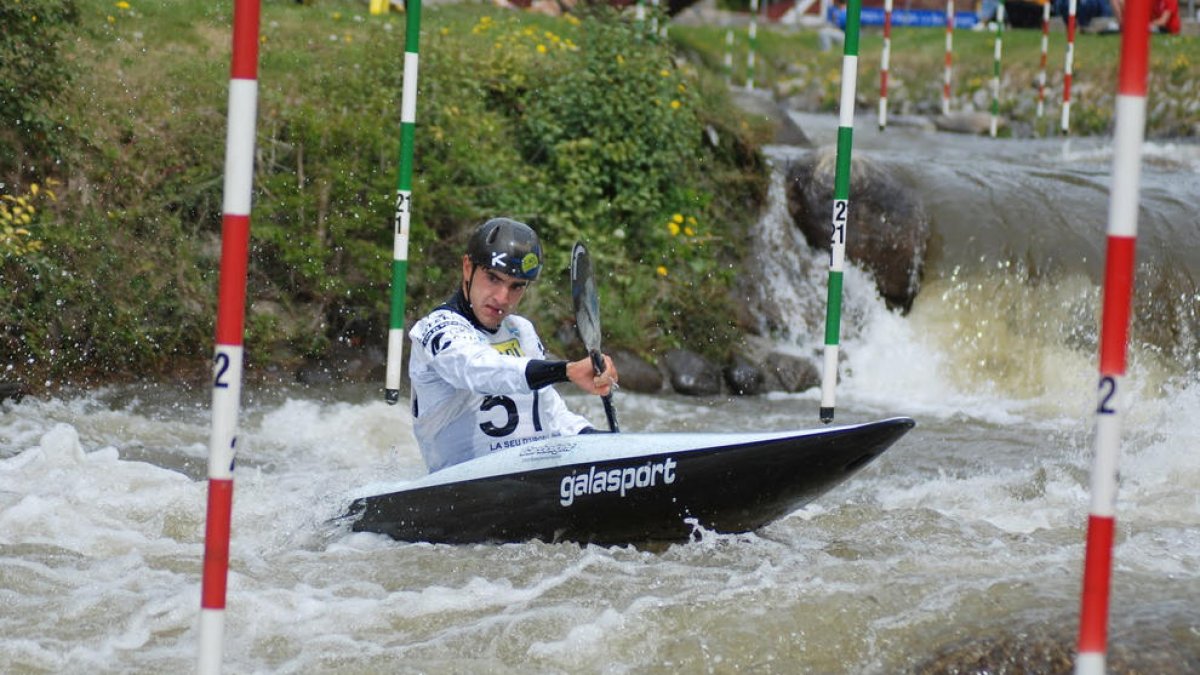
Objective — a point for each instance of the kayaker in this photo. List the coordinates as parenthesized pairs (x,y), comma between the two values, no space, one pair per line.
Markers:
(481,380)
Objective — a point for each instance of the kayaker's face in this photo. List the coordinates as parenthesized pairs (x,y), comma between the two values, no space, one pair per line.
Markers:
(493,295)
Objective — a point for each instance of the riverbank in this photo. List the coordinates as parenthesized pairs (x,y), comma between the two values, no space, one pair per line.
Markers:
(790,63)
(577,125)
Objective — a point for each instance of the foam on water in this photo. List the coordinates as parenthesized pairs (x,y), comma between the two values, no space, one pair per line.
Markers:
(112,547)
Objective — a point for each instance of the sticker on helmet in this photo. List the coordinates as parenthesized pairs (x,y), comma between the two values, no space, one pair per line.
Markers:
(529,262)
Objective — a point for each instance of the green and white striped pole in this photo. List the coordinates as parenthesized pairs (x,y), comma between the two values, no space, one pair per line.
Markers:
(753,45)
(841,208)
(729,57)
(996,67)
(408,122)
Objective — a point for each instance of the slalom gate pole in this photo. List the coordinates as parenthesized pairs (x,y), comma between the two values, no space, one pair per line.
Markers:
(948,70)
(883,65)
(1041,106)
(231,313)
(841,209)
(753,45)
(1068,68)
(1114,333)
(996,67)
(729,57)
(408,123)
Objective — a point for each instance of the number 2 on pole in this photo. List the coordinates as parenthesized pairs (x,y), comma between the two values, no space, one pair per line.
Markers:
(838,237)
(221,366)
(1108,390)
(403,203)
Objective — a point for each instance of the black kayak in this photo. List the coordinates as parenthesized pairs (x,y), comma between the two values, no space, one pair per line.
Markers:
(627,488)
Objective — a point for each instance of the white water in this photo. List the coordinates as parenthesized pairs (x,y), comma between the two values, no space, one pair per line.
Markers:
(968,530)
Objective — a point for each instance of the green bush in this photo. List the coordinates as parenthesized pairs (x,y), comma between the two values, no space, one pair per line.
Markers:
(33,71)
(567,123)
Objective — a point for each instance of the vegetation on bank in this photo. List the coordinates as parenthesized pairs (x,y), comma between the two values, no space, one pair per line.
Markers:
(579,125)
(111,165)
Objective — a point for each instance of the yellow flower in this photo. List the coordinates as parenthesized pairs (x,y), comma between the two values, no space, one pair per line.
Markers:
(33,189)
(111,19)
(689,231)
(620,60)
(673,229)
(682,87)
(675,104)
(664,72)
(691,220)
(445,31)
(122,5)
(662,271)
(541,49)
(677,218)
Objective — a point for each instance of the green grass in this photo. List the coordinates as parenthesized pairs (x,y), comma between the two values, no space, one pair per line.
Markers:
(790,63)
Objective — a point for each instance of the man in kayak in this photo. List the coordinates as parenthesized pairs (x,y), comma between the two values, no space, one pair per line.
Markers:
(480,377)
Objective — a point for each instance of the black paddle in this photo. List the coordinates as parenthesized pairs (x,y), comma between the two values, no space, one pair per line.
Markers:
(587,317)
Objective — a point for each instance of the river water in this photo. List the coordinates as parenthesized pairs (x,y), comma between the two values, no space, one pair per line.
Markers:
(961,547)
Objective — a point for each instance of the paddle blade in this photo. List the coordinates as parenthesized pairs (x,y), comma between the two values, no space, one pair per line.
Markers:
(585,299)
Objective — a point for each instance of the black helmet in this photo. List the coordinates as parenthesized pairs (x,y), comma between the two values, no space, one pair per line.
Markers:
(507,246)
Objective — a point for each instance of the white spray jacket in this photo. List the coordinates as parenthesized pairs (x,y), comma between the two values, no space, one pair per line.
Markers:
(475,391)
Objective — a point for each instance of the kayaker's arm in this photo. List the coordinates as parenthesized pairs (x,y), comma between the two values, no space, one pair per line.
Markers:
(541,373)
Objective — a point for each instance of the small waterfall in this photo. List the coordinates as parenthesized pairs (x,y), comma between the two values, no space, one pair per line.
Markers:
(788,291)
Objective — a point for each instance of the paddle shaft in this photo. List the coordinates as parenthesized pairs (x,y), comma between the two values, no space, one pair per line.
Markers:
(609,411)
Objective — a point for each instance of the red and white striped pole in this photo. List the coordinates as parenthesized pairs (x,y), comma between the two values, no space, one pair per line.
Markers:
(1068,68)
(1041,106)
(231,306)
(996,55)
(946,73)
(883,65)
(1114,333)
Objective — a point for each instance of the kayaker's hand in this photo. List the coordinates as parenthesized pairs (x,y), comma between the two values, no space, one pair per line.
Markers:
(584,376)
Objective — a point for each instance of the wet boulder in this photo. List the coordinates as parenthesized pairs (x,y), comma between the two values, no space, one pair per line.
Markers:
(974,123)
(888,228)
(788,372)
(1144,638)
(11,390)
(744,377)
(761,105)
(636,373)
(692,374)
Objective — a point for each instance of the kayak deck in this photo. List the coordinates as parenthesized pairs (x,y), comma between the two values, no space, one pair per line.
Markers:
(627,488)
